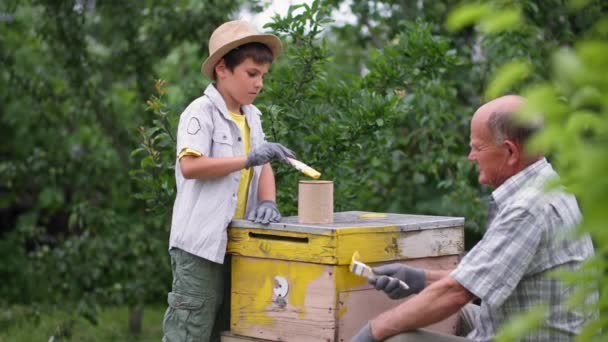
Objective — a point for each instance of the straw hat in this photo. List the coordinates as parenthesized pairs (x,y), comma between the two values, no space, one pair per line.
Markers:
(232,34)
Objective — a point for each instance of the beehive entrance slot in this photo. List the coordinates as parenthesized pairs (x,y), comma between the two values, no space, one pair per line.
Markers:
(278,237)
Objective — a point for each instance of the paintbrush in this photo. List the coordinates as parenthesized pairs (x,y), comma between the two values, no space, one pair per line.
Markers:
(362,270)
(305,169)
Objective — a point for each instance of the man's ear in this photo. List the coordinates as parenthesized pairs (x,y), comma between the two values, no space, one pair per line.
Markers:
(514,151)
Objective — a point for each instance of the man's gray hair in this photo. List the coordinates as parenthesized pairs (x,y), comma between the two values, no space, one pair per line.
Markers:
(503,125)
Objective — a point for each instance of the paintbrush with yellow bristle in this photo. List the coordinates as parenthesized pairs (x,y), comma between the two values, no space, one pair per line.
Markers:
(305,169)
(362,270)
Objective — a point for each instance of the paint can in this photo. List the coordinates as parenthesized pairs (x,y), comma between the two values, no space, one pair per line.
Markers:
(315,201)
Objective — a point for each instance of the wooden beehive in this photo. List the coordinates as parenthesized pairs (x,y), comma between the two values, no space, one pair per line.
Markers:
(291,281)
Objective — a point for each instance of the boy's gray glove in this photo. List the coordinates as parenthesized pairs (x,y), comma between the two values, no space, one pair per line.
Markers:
(265,213)
(364,335)
(413,277)
(267,152)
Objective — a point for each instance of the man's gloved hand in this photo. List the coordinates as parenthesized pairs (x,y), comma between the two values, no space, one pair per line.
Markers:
(267,152)
(364,335)
(265,213)
(388,275)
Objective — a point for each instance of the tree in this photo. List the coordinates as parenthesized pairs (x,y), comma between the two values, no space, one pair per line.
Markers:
(74,81)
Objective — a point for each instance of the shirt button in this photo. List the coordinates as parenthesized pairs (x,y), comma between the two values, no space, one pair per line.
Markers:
(239,139)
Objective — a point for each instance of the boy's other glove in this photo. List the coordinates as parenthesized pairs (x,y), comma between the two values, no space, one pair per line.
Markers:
(364,335)
(267,152)
(265,213)
(413,277)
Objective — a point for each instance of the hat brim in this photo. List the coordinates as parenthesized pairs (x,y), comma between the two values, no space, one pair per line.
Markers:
(272,41)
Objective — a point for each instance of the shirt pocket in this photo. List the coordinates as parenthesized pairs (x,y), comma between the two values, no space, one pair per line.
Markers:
(222,144)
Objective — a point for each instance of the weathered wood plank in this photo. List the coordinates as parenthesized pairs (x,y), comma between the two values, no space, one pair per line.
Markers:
(304,312)
(352,221)
(382,246)
(359,304)
(282,245)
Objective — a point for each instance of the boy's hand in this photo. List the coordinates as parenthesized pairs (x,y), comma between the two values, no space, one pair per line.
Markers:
(265,213)
(266,152)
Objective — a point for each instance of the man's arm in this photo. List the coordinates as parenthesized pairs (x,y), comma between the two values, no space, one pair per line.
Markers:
(432,276)
(435,303)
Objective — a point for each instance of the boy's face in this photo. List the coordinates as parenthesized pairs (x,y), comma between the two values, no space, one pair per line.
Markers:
(242,85)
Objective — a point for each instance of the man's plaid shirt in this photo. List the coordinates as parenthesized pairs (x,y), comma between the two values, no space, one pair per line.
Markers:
(527,237)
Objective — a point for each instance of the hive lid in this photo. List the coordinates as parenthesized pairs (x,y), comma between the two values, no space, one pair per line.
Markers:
(359,222)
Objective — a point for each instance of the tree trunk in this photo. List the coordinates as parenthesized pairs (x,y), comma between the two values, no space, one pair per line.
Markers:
(136,314)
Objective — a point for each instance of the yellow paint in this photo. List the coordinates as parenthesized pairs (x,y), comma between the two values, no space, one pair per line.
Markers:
(372,215)
(315,264)
(329,247)
(345,281)
(253,283)
(355,257)
(283,245)
(374,247)
(305,169)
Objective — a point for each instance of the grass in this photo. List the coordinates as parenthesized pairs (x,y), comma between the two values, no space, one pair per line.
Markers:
(61,326)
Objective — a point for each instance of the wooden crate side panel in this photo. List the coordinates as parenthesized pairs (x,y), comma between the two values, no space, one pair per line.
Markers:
(394,246)
(360,303)
(282,245)
(304,312)
(227,336)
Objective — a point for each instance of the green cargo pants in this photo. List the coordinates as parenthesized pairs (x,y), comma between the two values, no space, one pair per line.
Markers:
(199,289)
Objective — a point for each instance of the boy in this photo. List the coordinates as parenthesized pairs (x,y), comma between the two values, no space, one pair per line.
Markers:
(222,172)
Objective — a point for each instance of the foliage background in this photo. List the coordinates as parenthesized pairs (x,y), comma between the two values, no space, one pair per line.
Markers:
(381,107)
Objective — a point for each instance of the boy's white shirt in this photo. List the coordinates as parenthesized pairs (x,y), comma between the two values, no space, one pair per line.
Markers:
(203,209)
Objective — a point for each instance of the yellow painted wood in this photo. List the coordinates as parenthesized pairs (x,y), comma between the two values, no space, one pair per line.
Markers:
(346,281)
(336,247)
(284,245)
(306,311)
(393,246)
(325,301)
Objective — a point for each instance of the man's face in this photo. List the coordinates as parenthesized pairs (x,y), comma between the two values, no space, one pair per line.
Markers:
(491,159)
(244,83)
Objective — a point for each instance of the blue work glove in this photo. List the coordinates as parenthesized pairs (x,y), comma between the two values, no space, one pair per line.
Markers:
(387,280)
(267,152)
(364,335)
(265,213)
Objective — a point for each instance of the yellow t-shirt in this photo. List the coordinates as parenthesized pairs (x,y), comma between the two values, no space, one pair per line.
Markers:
(246,174)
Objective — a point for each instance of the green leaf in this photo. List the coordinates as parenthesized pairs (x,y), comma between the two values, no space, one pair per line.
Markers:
(583,121)
(577,5)
(521,325)
(506,76)
(593,53)
(466,15)
(51,197)
(503,20)
(568,68)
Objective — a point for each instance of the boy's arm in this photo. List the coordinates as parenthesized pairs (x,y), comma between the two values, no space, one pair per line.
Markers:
(267,189)
(202,167)
(266,210)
